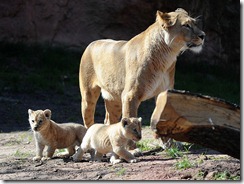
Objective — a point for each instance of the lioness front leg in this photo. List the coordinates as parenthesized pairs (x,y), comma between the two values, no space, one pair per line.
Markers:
(113,111)
(130,105)
(160,105)
(88,104)
(123,153)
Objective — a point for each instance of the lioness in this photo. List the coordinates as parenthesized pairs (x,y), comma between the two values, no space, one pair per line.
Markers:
(111,138)
(53,135)
(129,72)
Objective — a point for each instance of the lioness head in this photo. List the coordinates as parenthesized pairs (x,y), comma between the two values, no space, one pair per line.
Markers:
(132,128)
(181,30)
(39,119)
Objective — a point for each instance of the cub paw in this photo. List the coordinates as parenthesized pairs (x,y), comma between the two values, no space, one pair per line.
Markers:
(136,152)
(63,155)
(37,158)
(115,161)
(133,161)
(76,158)
(45,158)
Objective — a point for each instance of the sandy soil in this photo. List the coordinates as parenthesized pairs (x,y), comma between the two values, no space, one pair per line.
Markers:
(17,150)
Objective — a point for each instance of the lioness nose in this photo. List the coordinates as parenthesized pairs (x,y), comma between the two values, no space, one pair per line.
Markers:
(202,35)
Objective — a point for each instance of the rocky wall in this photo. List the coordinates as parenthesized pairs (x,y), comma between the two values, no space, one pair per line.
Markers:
(75,23)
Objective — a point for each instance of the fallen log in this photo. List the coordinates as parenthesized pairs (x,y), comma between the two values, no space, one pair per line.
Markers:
(207,121)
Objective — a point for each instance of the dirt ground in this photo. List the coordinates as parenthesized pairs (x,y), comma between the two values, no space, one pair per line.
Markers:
(17,150)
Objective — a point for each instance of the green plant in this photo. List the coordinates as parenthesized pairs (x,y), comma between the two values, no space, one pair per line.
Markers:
(25,137)
(21,154)
(174,152)
(121,171)
(184,163)
(146,145)
(61,150)
(225,176)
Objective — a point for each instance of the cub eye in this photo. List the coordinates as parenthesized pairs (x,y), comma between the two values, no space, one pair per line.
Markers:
(134,130)
(32,121)
(40,121)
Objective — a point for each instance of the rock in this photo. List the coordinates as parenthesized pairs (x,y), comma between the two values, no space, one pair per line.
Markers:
(74,24)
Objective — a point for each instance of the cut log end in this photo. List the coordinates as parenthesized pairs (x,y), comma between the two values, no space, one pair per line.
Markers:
(187,120)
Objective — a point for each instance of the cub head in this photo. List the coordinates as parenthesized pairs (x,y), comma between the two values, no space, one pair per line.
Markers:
(39,119)
(181,30)
(132,128)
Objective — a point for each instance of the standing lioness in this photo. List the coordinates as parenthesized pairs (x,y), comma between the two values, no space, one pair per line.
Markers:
(129,72)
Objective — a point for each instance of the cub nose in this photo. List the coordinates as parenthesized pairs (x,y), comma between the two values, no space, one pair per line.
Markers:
(202,35)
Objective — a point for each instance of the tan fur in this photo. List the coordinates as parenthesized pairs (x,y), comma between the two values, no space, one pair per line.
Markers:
(53,135)
(129,72)
(111,138)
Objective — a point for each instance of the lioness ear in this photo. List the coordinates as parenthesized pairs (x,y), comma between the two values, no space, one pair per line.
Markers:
(181,10)
(125,122)
(166,19)
(47,113)
(30,111)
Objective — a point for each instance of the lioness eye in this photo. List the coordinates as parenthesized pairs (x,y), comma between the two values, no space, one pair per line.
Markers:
(187,26)
(40,121)
(33,121)
(135,130)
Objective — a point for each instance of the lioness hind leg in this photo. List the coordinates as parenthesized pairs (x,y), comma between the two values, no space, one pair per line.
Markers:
(88,105)
(113,111)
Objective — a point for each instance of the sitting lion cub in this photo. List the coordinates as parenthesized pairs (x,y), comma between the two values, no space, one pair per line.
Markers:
(55,136)
(111,138)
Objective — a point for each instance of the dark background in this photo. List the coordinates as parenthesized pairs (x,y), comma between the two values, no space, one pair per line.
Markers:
(76,23)
(42,41)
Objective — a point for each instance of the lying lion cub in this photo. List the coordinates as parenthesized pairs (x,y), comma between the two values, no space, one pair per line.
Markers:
(111,138)
(55,136)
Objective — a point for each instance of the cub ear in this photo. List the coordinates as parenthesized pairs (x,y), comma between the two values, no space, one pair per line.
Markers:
(47,113)
(125,122)
(30,111)
(140,119)
(166,19)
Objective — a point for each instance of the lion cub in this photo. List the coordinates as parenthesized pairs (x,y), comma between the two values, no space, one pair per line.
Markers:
(111,138)
(53,135)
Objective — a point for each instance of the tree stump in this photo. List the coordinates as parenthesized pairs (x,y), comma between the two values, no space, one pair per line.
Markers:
(207,121)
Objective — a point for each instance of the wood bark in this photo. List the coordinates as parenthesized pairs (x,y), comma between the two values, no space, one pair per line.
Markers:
(207,121)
